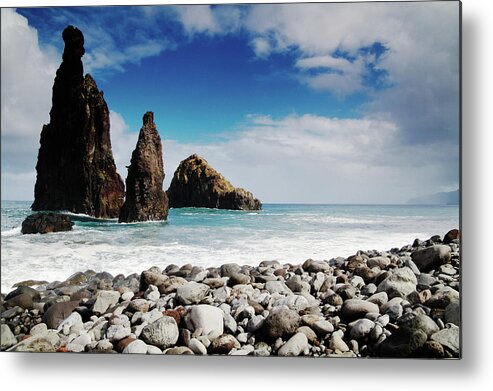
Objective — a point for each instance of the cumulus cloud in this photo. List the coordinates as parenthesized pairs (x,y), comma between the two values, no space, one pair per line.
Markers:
(26,101)
(421,64)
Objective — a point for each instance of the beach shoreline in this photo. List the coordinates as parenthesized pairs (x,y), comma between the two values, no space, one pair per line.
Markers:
(403,302)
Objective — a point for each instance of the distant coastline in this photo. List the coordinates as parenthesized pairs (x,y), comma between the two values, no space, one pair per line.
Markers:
(443,198)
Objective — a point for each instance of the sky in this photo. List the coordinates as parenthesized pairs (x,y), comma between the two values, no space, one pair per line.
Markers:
(310,103)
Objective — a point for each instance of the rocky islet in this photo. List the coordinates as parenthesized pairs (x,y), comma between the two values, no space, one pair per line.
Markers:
(316,308)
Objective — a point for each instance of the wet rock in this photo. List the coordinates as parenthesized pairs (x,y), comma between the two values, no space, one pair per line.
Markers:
(42,223)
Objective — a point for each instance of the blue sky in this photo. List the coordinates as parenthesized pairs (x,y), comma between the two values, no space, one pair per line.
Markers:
(356,102)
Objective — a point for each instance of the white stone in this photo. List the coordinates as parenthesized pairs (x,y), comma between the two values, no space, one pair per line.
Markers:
(361,328)
(206,317)
(105,300)
(197,347)
(294,346)
(136,347)
(72,325)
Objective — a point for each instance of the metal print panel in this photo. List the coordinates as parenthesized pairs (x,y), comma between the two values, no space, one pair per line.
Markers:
(256,180)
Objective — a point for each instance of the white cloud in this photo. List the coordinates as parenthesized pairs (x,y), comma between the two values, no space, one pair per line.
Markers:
(312,158)
(26,101)
(422,61)
(208,20)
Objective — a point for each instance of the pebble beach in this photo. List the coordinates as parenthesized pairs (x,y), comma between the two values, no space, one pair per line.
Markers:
(403,302)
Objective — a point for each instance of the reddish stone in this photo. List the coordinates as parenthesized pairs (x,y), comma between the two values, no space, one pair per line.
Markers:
(124,343)
(451,235)
(176,313)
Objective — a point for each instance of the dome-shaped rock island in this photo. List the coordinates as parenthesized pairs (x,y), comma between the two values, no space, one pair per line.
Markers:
(196,184)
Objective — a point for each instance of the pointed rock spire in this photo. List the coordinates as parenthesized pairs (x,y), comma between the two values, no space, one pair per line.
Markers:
(145,198)
(75,169)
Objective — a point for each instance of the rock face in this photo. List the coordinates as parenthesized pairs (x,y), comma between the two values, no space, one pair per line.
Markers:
(196,184)
(43,223)
(145,198)
(75,169)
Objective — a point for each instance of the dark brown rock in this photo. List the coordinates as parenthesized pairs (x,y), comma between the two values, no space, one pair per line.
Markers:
(196,184)
(42,223)
(75,169)
(145,198)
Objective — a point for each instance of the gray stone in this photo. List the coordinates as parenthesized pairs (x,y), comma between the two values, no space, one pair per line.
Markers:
(310,334)
(136,347)
(138,305)
(281,322)
(322,327)
(379,298)
(443,297)
(207,318)
(38,343)
(152,293)
(369,289)
(197,347)
(312,266)
(431,257)
(255,323)
(448,338)
(162,333)
(230,324)
(38,329)
(7,337)
(151,349)
(277,287)
(296,345)
(380,262)
(105,300)
(355,308)
(191,293)
(426,281)
(117,332)
(361,328)
(452,313)
(336,343)
(293,302)
(58,312)
(400,283)
(420,322)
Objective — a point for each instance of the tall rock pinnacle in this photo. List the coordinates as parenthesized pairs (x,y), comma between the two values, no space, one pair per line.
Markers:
(145,198)
(76,170)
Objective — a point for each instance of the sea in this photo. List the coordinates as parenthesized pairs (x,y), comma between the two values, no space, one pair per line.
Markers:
(210,237)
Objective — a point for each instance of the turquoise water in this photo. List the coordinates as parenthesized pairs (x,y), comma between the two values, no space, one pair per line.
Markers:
(208,237)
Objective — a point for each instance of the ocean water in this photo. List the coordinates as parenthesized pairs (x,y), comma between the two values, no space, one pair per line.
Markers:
(208,237)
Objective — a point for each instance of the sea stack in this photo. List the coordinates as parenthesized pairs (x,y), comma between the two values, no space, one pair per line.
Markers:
(145,198)
(75,169)
(196,184)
